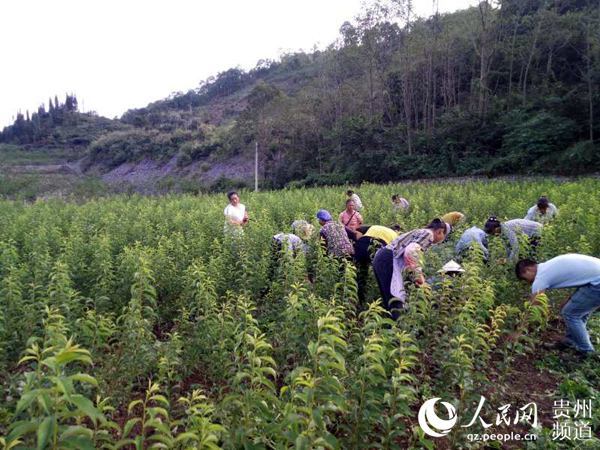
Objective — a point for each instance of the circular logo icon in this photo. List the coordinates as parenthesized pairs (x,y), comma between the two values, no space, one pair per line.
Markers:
(431,423)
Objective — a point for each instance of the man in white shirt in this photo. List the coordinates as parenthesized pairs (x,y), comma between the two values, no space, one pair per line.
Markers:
(568,271)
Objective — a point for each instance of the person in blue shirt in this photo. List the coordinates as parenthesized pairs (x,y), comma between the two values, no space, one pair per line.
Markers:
(474,236)
(568,271)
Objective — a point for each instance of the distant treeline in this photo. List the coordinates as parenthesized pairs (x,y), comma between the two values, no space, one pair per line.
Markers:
(59,125)
(503,87)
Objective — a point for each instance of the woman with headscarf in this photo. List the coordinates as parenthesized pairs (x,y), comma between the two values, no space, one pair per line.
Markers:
(334,235)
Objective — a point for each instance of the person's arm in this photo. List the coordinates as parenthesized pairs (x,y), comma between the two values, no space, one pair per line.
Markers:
(412,260)
(363,229)
(351,233)
(533,298)
(246,218)
(530,214)
(233,221)
(230,219)
(359,219)
(483,243)
(323,239)
(513,244)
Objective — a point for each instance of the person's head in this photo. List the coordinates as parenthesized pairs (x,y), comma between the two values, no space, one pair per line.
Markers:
(493,226)
(302,229)
(440,229)
(397,228)
(349,193)
(323,216)
(395,198)
(526,269)
(542,204)
(233,197)
(453,218)
(350,206)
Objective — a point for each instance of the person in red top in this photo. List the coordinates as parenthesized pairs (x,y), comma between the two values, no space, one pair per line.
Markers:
(350,217)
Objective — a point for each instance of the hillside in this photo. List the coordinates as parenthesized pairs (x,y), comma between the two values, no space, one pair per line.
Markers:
(491,90)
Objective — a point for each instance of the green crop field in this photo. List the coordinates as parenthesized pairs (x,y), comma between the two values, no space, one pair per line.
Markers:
(133,322)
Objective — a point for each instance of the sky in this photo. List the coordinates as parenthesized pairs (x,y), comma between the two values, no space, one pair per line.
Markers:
(120,54)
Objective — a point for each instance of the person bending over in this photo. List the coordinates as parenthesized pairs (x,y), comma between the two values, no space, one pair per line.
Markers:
(568,271)
(403,255)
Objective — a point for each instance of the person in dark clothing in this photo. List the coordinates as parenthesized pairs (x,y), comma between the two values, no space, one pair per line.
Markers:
(373,237)
(402,255)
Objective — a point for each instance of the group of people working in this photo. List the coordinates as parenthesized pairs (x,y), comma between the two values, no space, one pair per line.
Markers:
(395,257)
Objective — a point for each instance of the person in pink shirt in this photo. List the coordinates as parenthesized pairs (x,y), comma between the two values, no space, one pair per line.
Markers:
(350,217)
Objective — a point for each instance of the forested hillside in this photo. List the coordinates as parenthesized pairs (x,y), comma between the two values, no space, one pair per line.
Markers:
(505,87)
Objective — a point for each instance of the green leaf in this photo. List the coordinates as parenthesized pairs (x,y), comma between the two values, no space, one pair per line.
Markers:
(160,398)
(123,442)
(21,428)
(188,435)
(302,443)
(87,407)
(84,378)
(77,430)
(129,425)
(167,440)
(26,399)
(44,432)
(78,443)
(132,405)
(65,385)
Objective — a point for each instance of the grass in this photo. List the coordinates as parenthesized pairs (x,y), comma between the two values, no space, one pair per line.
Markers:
(16,155)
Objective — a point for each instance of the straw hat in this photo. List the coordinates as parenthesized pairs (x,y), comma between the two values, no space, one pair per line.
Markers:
(451,266)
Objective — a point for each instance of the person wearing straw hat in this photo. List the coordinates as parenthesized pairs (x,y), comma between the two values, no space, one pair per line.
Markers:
(451,269)
(448,271)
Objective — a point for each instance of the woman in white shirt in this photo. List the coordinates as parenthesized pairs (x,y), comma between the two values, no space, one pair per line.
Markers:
(235,213)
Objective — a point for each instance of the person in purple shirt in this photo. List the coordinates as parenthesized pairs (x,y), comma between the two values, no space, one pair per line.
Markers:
(568,271)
